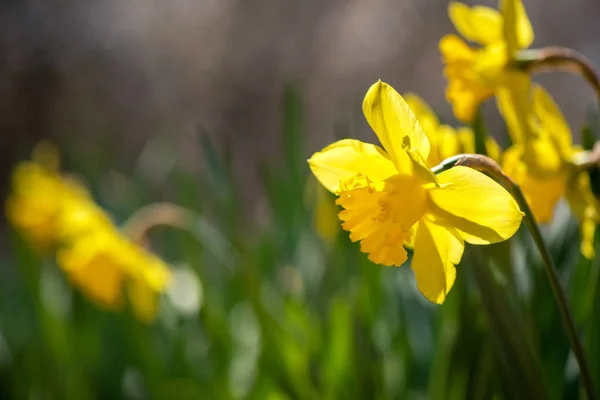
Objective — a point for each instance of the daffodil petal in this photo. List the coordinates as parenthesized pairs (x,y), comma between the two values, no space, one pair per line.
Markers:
(454,49)
(425,115)
(477,24)
(514,103)
(447,143)
(394,123)
(518,32)
(93,264)
(465,91)
(493,150)
(475,205)
(553,121)
(588,231)
(586,208)
(437,250)
(410,243)
(542,196)
(344,159)
(143,300)
(579,194)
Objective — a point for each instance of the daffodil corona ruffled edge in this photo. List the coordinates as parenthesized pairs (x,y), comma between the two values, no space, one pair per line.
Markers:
(57,213)
(391,199)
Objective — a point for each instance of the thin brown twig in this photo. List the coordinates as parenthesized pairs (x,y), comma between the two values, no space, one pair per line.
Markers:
(556,58)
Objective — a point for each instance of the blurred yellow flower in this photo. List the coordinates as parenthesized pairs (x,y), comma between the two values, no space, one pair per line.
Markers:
(474,74)
(586,208)
(444,140)
(391,198)
(540,157)
(34,214)
(324,219)
(56,212)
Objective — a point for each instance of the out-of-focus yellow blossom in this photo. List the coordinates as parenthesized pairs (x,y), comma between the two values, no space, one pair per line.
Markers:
(325,221)
(586,208)
(33,214)
(56,212)
(539,159)
(103,264)
(444,140)
(391,198)
(475,74)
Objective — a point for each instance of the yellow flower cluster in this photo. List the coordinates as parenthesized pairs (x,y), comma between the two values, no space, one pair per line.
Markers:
(475,74)
(57,213)
(391,199)
(541,157)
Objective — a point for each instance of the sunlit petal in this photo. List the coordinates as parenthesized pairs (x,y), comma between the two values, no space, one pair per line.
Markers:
(543,195)
(94,264)
(447,143)
(437,250)
(480,209)
(518,32)
(514,103)
(427,118)
(454,49)
(465,90)
(344,159)
(553,122)
(588,232)
(586,208)
(394,123)
(476,24)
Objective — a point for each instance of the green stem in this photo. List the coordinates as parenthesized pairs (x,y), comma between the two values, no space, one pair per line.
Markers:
(480,133)
(558,291)
(485,164)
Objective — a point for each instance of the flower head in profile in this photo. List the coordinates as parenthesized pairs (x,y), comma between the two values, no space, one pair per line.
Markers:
(58,213)
(542,151)
(444,140)
(391,199)
(474,74)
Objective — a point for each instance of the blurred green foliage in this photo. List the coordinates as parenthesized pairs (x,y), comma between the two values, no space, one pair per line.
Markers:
(280,312)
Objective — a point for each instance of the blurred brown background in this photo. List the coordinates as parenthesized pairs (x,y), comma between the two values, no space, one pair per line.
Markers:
(81,71)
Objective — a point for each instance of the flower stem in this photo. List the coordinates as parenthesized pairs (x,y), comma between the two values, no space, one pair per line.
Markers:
(559,294)
(479,133)
(490,167)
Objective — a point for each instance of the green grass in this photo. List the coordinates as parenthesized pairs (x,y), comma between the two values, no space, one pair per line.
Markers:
(281,313)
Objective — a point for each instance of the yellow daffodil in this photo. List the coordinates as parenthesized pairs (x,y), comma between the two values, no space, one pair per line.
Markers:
(57,212)
(475,74)
(444,140)
(103,264)
(324,218)
(32,214)
(541,162)
(391,198)
(586,208)
(539,159)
